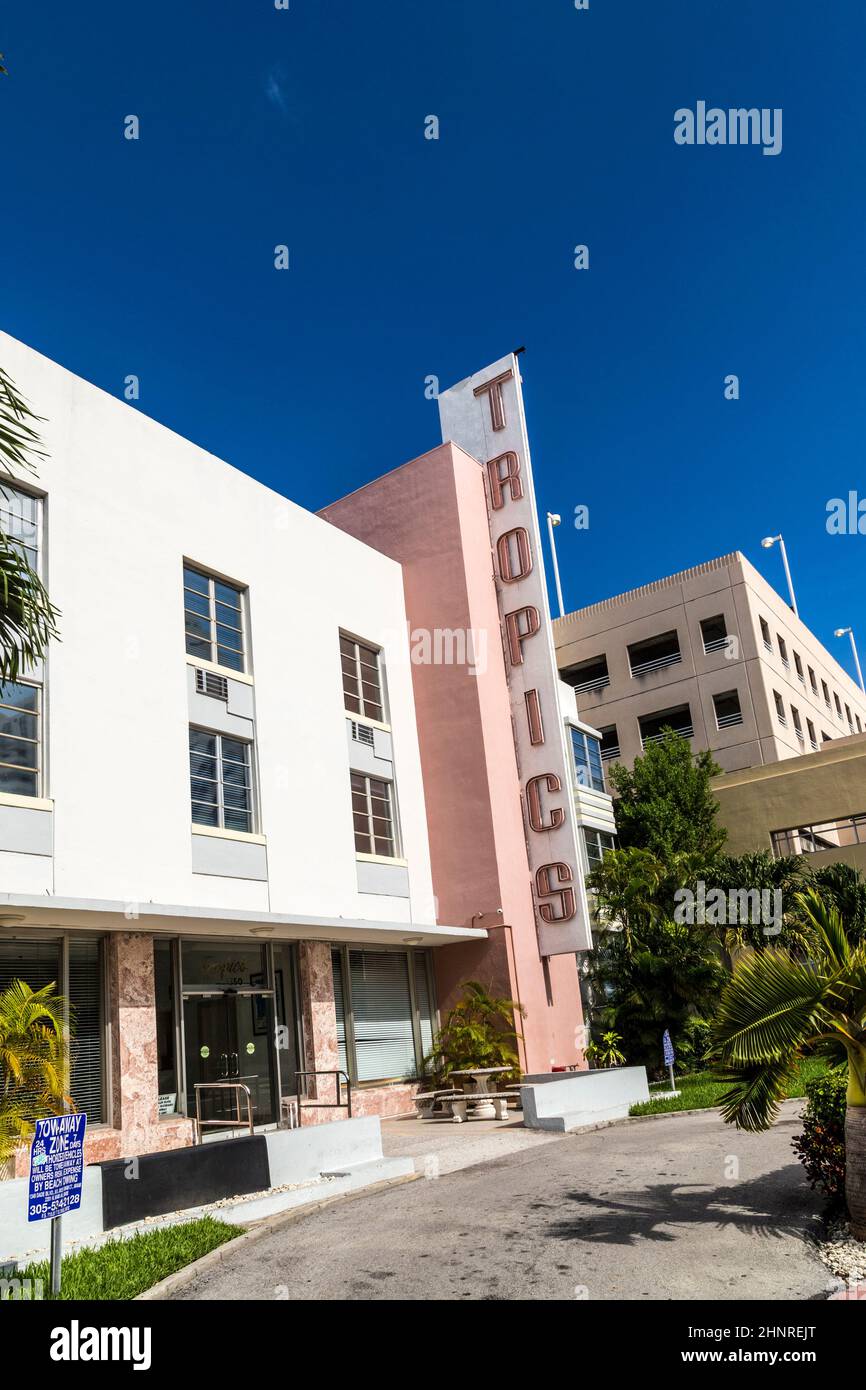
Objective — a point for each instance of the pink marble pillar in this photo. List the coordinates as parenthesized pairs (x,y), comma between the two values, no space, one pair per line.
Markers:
(320,1017)
(133,1032)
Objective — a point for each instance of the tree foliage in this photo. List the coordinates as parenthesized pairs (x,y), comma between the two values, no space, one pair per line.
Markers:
(665,803)
(776,1008)
(33,1060)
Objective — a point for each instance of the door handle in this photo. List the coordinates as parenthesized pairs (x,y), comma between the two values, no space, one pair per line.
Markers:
(224,1064)
(237,1070)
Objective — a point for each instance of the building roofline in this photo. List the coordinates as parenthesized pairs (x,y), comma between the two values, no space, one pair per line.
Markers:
(619,600)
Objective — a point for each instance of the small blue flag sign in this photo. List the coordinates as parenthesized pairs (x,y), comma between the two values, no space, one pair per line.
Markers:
(668,1047)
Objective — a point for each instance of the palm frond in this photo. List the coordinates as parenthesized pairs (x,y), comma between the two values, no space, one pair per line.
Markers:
(772,1004)
(752,1103)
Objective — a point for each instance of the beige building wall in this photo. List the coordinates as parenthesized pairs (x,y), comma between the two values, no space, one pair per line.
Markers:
(752,665)
(818,790)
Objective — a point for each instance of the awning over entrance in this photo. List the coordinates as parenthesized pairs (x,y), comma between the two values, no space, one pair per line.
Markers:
(22,909)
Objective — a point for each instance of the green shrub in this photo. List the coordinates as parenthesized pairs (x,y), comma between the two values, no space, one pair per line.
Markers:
(693,1045)
(479,1031)
(821,1146)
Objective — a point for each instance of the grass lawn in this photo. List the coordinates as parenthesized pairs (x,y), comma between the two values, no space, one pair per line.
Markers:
(123,1269)
(701,1091)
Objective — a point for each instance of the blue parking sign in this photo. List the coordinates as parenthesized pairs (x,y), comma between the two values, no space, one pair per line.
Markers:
(56,1167)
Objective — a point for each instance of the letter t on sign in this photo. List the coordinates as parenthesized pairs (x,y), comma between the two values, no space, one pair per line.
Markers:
(493,391)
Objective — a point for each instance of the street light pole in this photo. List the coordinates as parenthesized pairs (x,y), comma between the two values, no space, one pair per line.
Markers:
(841,632)
(553,519)
(769,541)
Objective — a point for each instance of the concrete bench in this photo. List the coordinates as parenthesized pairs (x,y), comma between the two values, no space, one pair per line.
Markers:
(426,1101)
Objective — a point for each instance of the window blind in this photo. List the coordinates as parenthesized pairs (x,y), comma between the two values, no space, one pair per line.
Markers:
(422,999)
(382,1014)
(85,997)
(340,1003)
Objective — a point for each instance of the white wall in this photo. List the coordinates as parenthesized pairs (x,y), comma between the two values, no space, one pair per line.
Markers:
(127,501)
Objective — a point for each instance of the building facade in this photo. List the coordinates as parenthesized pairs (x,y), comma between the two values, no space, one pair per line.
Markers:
(815,806)
(716,654)
(246,830)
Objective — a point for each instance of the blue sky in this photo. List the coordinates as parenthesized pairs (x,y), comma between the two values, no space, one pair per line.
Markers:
(412,258)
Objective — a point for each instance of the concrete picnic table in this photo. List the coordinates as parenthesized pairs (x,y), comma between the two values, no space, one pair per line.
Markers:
(485,1104)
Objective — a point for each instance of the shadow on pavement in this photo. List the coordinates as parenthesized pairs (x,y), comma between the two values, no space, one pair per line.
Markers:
(771,1206)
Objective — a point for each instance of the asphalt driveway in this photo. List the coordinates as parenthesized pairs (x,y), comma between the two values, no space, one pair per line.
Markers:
(679,1207)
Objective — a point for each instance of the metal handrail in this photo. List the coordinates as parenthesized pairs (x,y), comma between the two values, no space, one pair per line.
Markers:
(657,663)
(325,1104)
(235,1086)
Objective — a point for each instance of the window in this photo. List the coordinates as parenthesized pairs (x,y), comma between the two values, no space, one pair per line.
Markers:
(765,634)
(19,738)
(362,678)
(654,654)
(811,839)
(385,1015)
(20,701)
(78,958)
(798,667)
(727,709)
(220,781)
(714,633)
(826,693)
(373,815)
(213,618)
(166,1018)
(813,683)
(609,743)
(598,843)
(587,760)
(780,708)
(588,675)
(825,737)
(20,516)
(653,726)
(850,720)
(838,704)
(783,651)
(859,725)
(798,727)
(811,729)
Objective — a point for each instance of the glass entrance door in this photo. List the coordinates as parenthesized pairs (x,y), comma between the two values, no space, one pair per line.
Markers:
(229,1037)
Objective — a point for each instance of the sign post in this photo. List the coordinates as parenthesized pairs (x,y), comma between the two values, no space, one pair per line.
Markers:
(56,1172)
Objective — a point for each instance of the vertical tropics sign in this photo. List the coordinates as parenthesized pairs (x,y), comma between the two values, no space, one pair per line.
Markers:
(484,415)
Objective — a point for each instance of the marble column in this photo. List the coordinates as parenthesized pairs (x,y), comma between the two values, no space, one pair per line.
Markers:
(135,1084)
(319,1016)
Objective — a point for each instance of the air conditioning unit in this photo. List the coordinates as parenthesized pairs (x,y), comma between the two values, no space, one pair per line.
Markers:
(361,733)
(209,683)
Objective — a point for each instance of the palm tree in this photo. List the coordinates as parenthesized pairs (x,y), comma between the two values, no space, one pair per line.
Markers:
(33,1061)
(776,1007)
(28,618)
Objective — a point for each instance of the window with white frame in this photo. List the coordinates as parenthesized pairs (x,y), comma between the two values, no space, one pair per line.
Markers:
(21,701)
(213,619)
(221,786)
(362,678)
(20,718)
(598,843)
(588,768)
(780,708)
(373,815)
(20,519)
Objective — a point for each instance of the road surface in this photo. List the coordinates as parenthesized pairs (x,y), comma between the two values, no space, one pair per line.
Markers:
(674,1208)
